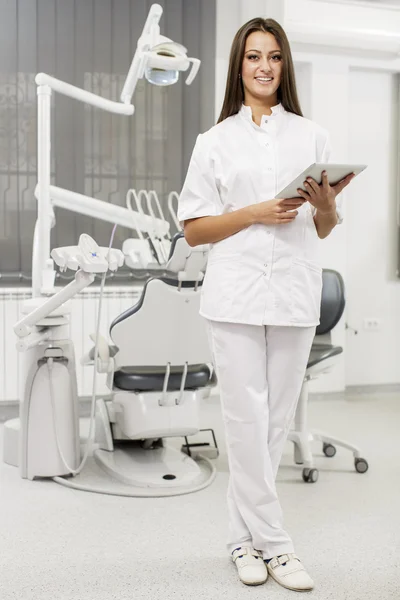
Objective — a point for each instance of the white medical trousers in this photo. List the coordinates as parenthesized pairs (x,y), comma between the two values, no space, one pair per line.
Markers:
(260,372)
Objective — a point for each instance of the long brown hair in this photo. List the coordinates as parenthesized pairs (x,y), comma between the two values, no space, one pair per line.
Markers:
(234,92)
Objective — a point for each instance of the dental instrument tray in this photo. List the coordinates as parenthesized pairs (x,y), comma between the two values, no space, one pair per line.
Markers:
(335,172)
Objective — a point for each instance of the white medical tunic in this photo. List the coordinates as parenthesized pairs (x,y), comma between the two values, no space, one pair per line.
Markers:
(264,274)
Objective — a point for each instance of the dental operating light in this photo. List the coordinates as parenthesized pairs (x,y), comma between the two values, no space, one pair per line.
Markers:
(159,60)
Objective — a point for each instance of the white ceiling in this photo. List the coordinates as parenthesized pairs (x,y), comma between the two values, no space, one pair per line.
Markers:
(378,3)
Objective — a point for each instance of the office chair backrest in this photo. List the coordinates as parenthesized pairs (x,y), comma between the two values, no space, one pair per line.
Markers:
(332,301)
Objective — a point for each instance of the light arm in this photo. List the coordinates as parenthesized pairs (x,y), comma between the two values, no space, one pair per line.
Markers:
(66,89)
(98,209)
(89,258)
(145,42)
(24,325)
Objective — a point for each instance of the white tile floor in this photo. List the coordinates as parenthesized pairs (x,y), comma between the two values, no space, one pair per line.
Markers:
(61,544)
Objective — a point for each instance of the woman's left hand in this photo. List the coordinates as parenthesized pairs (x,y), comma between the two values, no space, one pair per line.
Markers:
(323,196)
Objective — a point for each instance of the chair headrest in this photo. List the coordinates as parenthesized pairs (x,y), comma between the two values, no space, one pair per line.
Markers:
(177,236)
(188,263)
(332,301)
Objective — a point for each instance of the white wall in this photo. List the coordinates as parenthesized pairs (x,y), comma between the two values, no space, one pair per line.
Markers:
(372,286)
(324,15)
(346,104)
(343,85)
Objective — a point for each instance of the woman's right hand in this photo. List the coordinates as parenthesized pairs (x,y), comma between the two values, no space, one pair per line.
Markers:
(277,211)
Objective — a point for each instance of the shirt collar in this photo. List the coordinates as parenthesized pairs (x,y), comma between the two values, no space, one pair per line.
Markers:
(247,113)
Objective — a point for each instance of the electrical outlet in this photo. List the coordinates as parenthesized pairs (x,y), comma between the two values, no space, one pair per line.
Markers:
(372,324)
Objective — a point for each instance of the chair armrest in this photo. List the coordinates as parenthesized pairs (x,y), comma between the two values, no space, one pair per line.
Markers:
(110,374)
(105,355)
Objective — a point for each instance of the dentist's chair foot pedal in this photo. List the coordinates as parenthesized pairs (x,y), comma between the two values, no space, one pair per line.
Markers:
(203,448)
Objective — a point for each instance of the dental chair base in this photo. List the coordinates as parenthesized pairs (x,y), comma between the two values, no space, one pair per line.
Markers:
(130,432)
(148,467)
(163,468)
(149,463)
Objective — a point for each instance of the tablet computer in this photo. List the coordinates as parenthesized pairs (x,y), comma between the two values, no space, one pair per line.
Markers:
(335,174)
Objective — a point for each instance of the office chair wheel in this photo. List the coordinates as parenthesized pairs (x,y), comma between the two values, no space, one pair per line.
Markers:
(361,465)
(310,475)
(329,450)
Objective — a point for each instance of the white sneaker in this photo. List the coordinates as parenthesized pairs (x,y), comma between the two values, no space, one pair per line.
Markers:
(250,566)
(288,571)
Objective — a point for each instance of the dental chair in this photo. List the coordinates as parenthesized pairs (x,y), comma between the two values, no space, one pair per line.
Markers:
(323,358)
(158,370)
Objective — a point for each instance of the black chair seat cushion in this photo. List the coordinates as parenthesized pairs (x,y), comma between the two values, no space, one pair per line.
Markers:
(151,379)
(320,352)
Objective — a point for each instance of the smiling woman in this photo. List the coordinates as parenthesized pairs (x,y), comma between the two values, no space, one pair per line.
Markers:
(261,293)
(261,67)
(261,70)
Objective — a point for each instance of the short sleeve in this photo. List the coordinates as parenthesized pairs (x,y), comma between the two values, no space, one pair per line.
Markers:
(199,196)
(324,150)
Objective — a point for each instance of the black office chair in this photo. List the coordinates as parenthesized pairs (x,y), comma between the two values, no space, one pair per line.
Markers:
(323,357)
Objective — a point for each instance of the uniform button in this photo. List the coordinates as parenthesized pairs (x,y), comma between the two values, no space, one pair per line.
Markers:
(266,265)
